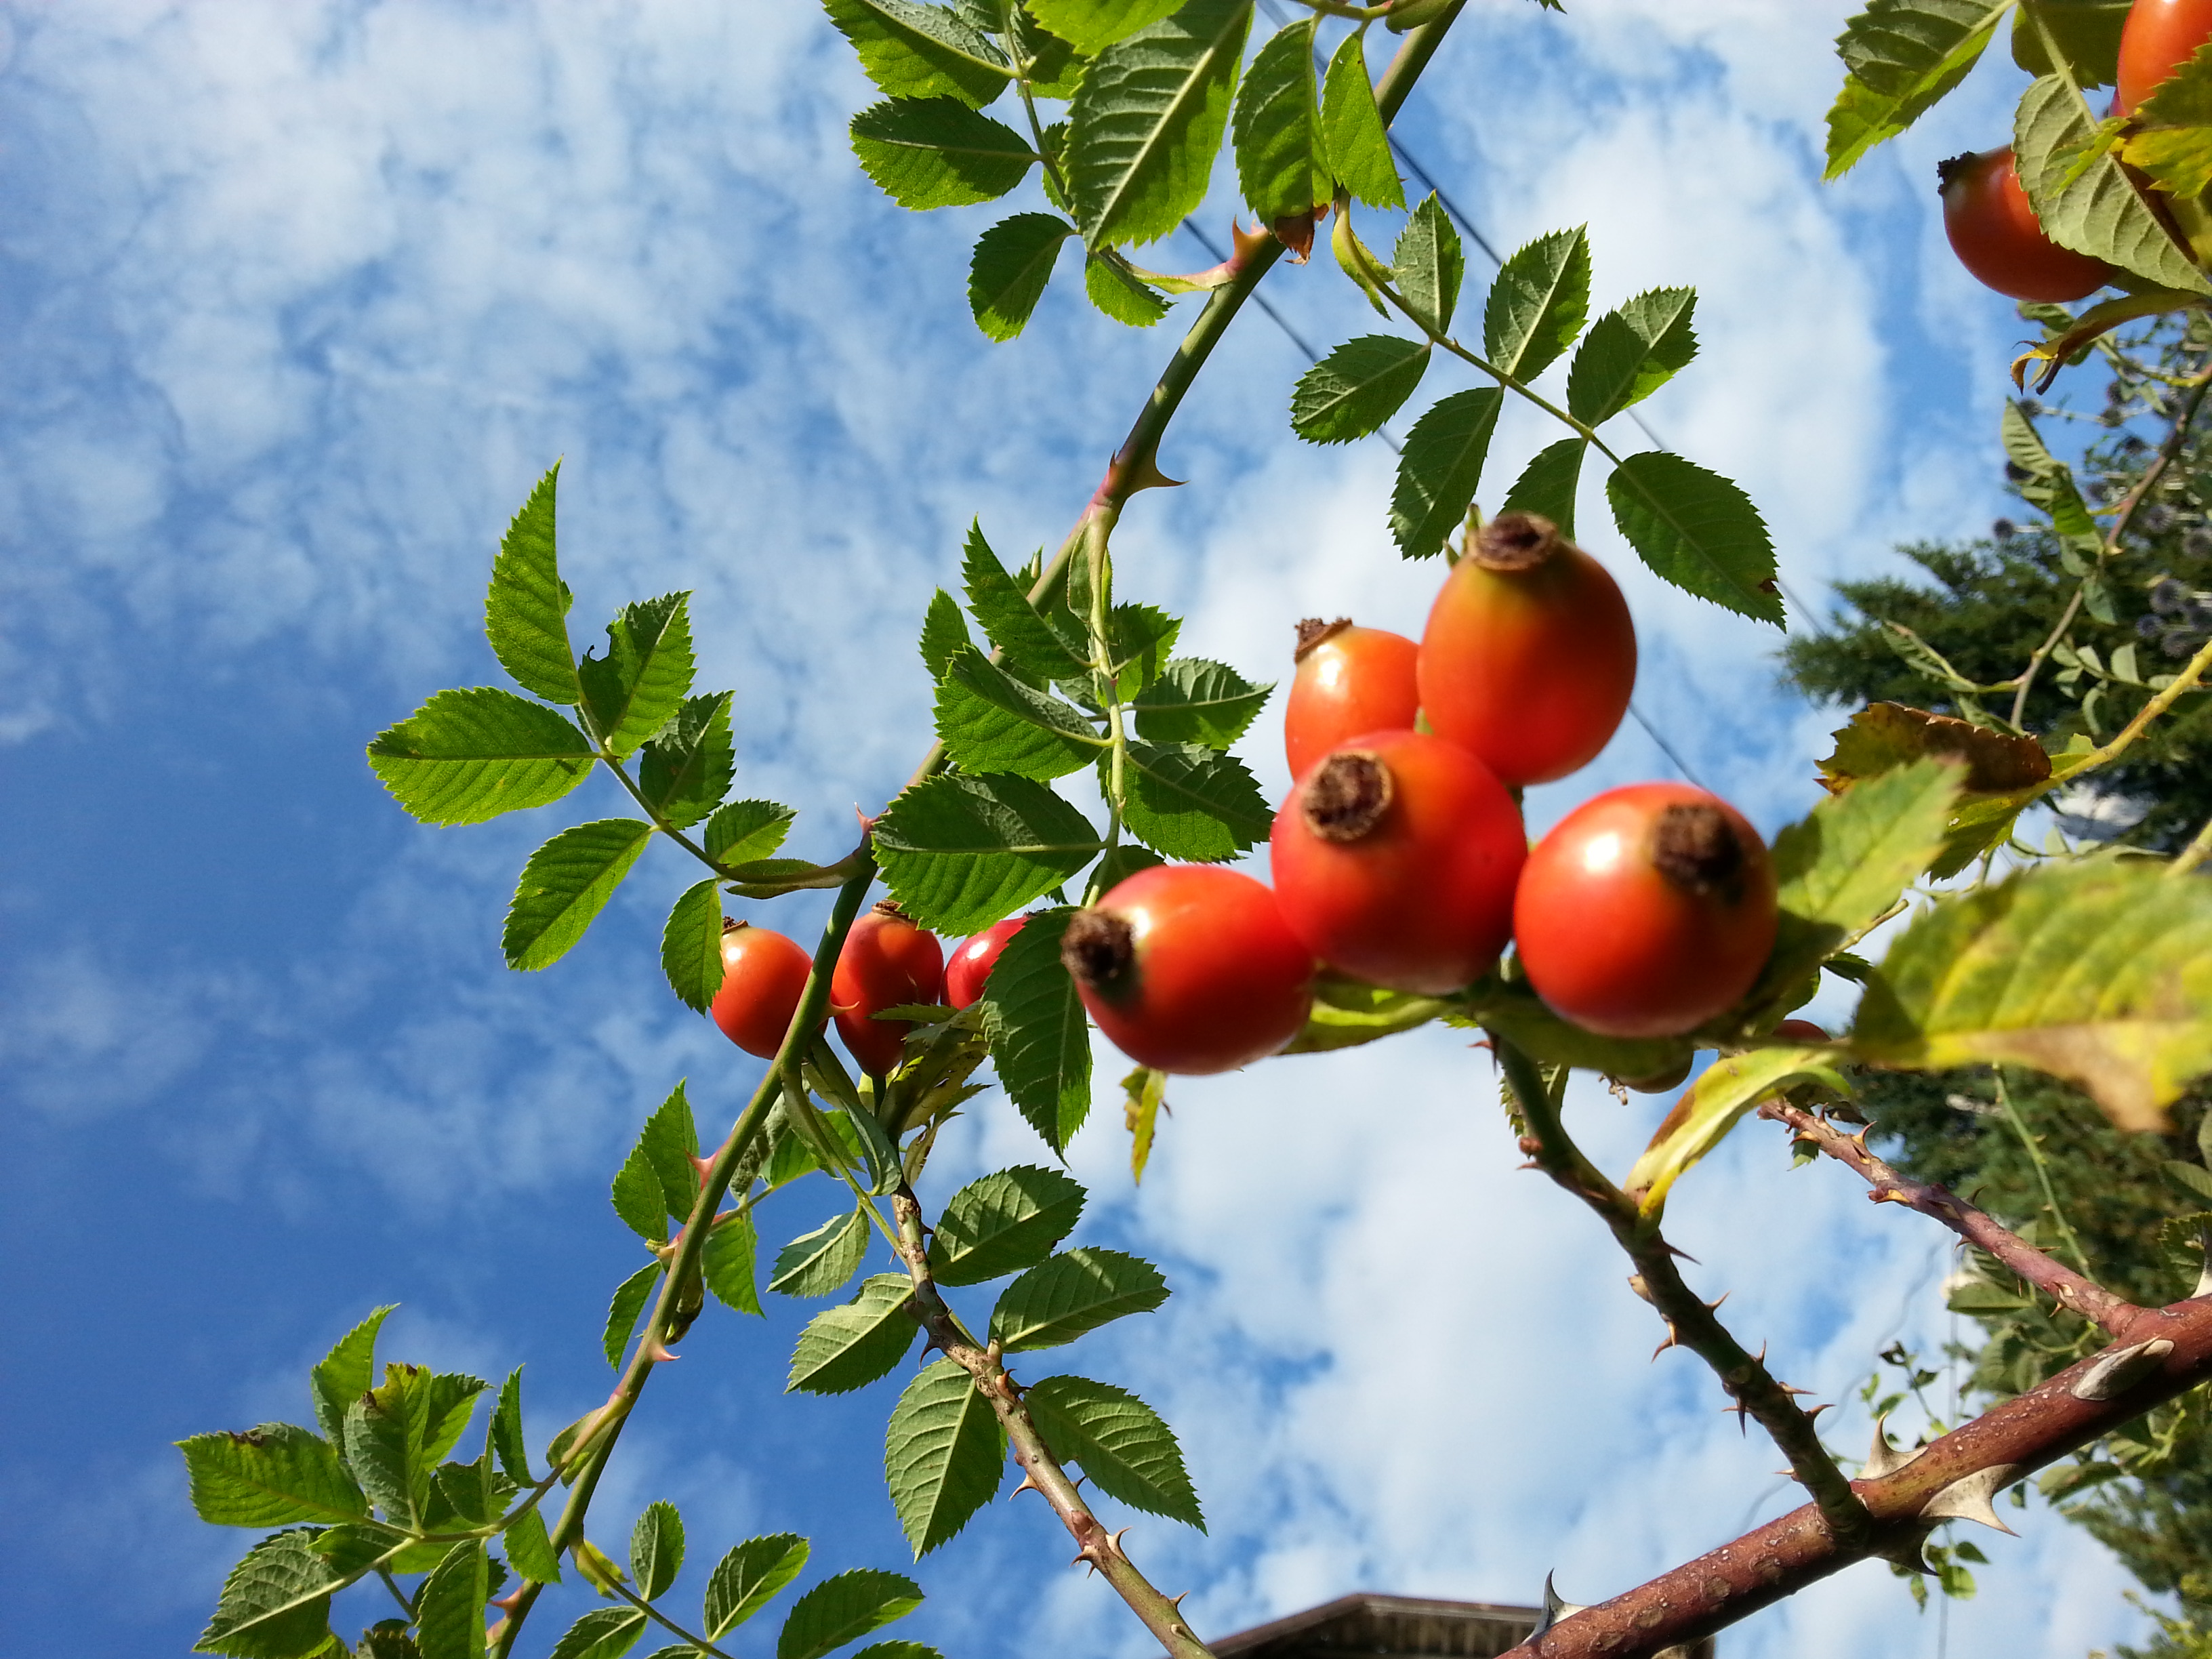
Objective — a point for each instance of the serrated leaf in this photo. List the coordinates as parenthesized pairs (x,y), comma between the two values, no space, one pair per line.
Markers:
(938,151)
(1124,1448)
(449,1621)
(602,1633)
(1629,353)
(744,831)
(1440,469)
(1697,530)
(1149,117)
(276,1604)
(959,851)
(944,633)
(527,608)
(1138,638)
(898,1651)
(944,1454)
(1902,56)
(466,756)
(2173,138)
(2100,973)
(269,1476)
(656,1549)
(849,1347)
(1027,645)
(1002,1223)
(1538,304)
(1039,1035)
(624,1309)
(635,1192)
(1724,1092)
(1118,293)
(565,885)
(2192,1180)
(691,946)
(1429,265)
(792,1156)
(1191,802)
(1353,138)
(345,1374)
(844,1608)
(1055,67)
(686,769)
(2049,483)
(989,722)
(2095,210)
(397,1432)
(504,1434)
(2087,32)
(1548,484)
(1277,127)
(530,1550)
(913,50)
(1198,701)
(727,1263)
(1092,26)
(637,687)
(819,1262)
(1060,1299)
(1008,274)
(670,1141)
(1357,388)
(747,1577)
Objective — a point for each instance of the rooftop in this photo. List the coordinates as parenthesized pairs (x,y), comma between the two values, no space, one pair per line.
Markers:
(1398,1627)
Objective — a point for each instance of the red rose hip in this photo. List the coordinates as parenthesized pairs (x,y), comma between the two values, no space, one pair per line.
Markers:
(763,975)
(887,961)
(970,963)
(1350,680)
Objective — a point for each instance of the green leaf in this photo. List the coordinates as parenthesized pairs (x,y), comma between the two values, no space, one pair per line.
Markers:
(1146,121)
(636,1195)
(1714,1104)
(656,1549)
(943,632)
(1357,388)
(749,1577)
(566,883)
(345,1374)
(472,1494)
(2095,210)
(397,1432)
(529,1551)
(745,831)
(624,1311)
(1630,353)
(1538,304)
(1060,1299)
(1353,139)
(637,687)
(849,1347)
(466,756)
(943,1453)
(898,1651)
(1277,127)
(728,1263)
(1430,264)
(819,1263)
(2087,33)
(1029,646)
(1138,638)
(959,851)
(686,769)
(1198,701)
(269,1476)
(691,946)
(1056,67)
(603,1633)
(1696,530)
(1902,56)
(989,722)
(1191,802)
(1124,1448)
(2099,972)
(1012,261)
(1440,470)
(2172,142)
(1092,26)
(938,151)
(526,609)
(792,1156)
(1004,1222)
(505,1432)
(912,50)
(1515,1011)
(1346,1014)
(670,1141)
(1121,296)
(276,1604)
(1039,1035)
(1547,485)
(450,1608)
(2048,483)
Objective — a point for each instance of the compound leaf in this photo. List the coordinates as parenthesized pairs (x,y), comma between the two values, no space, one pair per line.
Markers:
(1004,1222)
(1538,304)
(466,756)
(944,1454)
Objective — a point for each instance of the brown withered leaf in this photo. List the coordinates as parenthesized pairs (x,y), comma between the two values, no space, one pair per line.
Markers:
(1884,735)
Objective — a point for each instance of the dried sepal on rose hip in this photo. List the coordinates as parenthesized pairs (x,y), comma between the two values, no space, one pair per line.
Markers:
(1646,911)
(1349,681)
(1190,969)
(764,976)
(1529,655)
(1395,862)
(887,963)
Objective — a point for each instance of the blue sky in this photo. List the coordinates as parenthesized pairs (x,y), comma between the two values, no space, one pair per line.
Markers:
(299,299)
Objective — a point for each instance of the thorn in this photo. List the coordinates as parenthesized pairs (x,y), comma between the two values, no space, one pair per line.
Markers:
(1029,1483)
(1530,1165)
(1812,1411)
(1674,1339)
(1244,244)
(1713,1306)
(1967,1499)
(507,1602)
(656,1351)
(1679,1255)
(1885,1459)
(2118,1369)
(703,1165)
(1075,1482)
(1556,1608)
(1113,1542)
(1176,1601)
(1787,1388)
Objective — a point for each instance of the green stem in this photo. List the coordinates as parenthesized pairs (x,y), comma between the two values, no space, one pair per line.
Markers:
(667,1624)
(2195,853)
(2042,1170)
(1009,32)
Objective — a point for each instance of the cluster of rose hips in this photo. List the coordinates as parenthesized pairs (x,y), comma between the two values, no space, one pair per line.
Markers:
(1400,859)
(1986,213)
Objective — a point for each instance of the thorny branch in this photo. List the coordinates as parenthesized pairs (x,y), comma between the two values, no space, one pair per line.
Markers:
(1690,1322)
(2068,1288)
